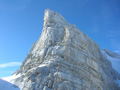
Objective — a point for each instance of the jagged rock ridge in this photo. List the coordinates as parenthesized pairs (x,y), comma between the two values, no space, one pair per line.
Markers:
(65,59)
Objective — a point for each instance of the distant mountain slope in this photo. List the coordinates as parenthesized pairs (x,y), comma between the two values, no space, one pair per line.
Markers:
(114,58)
(4,85)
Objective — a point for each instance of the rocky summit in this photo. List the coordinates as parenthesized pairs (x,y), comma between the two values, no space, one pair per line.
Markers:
(64,58)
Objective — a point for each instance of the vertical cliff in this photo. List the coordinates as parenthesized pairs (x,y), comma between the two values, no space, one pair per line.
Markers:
(64,58)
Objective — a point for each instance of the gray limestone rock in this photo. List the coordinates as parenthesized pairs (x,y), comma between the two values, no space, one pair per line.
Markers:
(64,58)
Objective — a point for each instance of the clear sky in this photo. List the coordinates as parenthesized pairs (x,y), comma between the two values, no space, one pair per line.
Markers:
(21,24)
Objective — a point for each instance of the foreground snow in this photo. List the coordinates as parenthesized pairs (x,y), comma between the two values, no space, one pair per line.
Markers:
(11,78)
(4,85)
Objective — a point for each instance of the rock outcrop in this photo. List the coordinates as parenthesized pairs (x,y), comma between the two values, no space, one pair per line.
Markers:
(65,59)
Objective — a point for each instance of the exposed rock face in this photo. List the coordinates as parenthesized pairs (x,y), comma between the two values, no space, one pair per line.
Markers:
(65,59)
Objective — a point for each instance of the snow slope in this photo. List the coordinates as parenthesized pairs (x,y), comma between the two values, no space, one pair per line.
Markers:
(4,85)
(11,78)
(114,58)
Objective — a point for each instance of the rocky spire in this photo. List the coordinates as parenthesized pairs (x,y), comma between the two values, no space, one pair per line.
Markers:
(51,17)
(65,59)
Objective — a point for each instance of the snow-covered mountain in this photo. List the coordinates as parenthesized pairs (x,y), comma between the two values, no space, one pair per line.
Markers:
(4,85)
(64,58)
(114,58)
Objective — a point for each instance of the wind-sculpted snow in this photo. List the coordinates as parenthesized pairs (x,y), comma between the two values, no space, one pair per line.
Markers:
(64,58)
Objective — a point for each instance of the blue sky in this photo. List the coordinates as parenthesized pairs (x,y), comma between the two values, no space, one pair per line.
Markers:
(21,24)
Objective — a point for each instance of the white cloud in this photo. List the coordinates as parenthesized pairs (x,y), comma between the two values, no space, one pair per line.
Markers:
(10,64)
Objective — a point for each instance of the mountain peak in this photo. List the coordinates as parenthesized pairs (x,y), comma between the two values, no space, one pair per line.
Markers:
(51,17)
(65,59)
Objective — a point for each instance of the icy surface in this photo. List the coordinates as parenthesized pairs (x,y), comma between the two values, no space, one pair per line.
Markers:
(4,85)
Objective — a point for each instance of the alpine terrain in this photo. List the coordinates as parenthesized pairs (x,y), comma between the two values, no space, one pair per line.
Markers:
(4,85)
(64,58)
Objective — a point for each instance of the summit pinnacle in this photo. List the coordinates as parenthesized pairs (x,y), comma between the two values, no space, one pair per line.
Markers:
(64,58)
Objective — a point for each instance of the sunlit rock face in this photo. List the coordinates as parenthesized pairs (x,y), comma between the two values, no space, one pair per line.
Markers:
(65,59)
